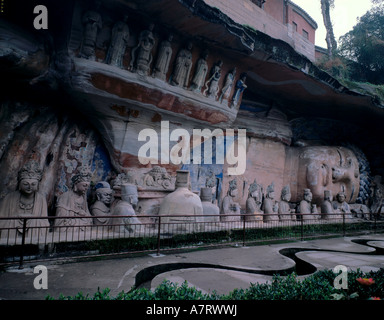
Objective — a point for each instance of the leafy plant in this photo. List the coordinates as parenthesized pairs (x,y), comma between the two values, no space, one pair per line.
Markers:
(318,286)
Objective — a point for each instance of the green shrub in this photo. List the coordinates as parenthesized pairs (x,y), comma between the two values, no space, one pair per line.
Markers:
(318,286)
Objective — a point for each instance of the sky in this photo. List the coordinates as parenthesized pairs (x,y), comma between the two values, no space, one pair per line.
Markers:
(344,16)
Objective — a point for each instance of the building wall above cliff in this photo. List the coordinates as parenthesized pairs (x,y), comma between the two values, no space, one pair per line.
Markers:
(279,19)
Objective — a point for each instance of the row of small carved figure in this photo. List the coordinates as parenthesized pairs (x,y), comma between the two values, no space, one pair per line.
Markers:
(257,204)
(141,59)
(28,202)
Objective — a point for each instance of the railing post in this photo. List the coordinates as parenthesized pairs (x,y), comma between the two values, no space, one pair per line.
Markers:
(302,227)
(158,237)
(243,231)
(22,244)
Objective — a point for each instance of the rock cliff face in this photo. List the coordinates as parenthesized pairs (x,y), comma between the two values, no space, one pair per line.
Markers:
(68,107)
(60,143)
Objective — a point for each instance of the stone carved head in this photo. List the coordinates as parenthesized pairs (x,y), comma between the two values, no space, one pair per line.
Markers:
(206,194)
(232,191)
(81,181)
(29,176)
(286,193)
(103,192)
(307,195)
(256,191)
(328,195)
(271,191)
(129,193)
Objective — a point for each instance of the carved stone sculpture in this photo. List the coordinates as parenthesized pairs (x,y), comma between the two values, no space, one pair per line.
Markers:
(208,207)
(327,168)
(125,207)
(211,182)
(227,88)
(119,40)
(183,66)
(200,73)
(164,57)
(270,206)
(158,178)
(101,207)
(285,211)
(254,202)
(341,206)
(25,202)
(212,85)
(182,202)
(142,53)
(73,203)
(240,87)
(230,210)
(92,23)
(326,206)
(306,206)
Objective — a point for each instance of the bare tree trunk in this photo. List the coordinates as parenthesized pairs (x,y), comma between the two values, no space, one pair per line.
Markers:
(330,37)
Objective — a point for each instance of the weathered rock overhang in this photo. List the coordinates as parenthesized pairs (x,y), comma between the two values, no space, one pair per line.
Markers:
(42,64)
(275,71)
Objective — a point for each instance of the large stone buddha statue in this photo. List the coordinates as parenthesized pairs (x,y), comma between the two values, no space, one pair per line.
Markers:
(321,168)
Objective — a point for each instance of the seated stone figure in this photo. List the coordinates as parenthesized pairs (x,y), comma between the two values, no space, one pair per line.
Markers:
(253,203)
(25,202)
(182,207)
(73,203)
(125,207)
(285,211)
(270,206)
(341,206)
(101,207)
(305,207)
(230,210)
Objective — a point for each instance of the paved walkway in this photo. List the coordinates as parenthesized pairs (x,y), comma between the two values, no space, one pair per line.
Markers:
(216,269)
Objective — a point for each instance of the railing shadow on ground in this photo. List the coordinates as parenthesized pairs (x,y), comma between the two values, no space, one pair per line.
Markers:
(22,239)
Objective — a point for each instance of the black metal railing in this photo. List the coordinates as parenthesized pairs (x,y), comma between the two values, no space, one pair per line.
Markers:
(80,237)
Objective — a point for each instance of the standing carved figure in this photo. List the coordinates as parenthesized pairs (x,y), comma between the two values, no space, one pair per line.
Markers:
(142,53)
(227,88)
(119,41)
(212,85)
(183,66)
(25,202)
(240,87)
(92,23)
(200,73)
(164,57)
(326,207)
(126,209)
(211,210)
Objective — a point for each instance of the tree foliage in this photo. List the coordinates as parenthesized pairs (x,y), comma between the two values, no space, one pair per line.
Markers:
(364,44)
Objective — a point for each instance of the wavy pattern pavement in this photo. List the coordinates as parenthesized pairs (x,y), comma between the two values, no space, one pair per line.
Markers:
(212,273)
